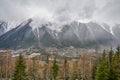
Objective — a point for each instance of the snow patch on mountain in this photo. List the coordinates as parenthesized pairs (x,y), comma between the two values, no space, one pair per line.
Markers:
(111,31)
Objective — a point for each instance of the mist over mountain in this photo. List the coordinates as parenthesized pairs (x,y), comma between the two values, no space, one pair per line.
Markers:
(59,39)
(59,23)
(84,35)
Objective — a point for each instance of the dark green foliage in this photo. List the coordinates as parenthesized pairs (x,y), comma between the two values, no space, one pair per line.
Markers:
(94,68)
(55,69)
(19,72)
(102,70)
(116,63)
(111,71)
(111,58)
(109,66)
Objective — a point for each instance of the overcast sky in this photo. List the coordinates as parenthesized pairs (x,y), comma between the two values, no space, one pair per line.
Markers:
(61,10)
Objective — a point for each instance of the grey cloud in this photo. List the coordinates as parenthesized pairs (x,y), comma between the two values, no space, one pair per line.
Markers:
(109,12)
(63,10)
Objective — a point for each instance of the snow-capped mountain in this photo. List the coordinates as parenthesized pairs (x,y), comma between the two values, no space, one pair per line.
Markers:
(85,35)
(3,27)
(6,26)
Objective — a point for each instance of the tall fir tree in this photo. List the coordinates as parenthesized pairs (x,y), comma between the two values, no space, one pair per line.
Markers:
(102,70)
(95,63)
(55,69)
(19,72)
(94,68)
(110,64)
(116,63)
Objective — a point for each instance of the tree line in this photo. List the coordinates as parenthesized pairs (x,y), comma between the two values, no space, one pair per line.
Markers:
(109,65)
(95,66)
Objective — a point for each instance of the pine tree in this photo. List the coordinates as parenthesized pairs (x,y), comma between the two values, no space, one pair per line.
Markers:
(110,60)
(65,74)
(55,70)
(94,68)
(19,73)
(102,70)
(95,63)
(116,63)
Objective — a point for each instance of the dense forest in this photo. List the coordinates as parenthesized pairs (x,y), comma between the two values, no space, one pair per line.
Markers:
(95,66)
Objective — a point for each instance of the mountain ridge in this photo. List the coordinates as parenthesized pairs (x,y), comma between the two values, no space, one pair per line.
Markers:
(75,34)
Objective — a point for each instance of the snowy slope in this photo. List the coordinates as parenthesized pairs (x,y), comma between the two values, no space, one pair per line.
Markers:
(35,33)
(6,26)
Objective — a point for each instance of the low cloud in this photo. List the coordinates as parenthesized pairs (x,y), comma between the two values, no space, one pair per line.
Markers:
(61,10)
